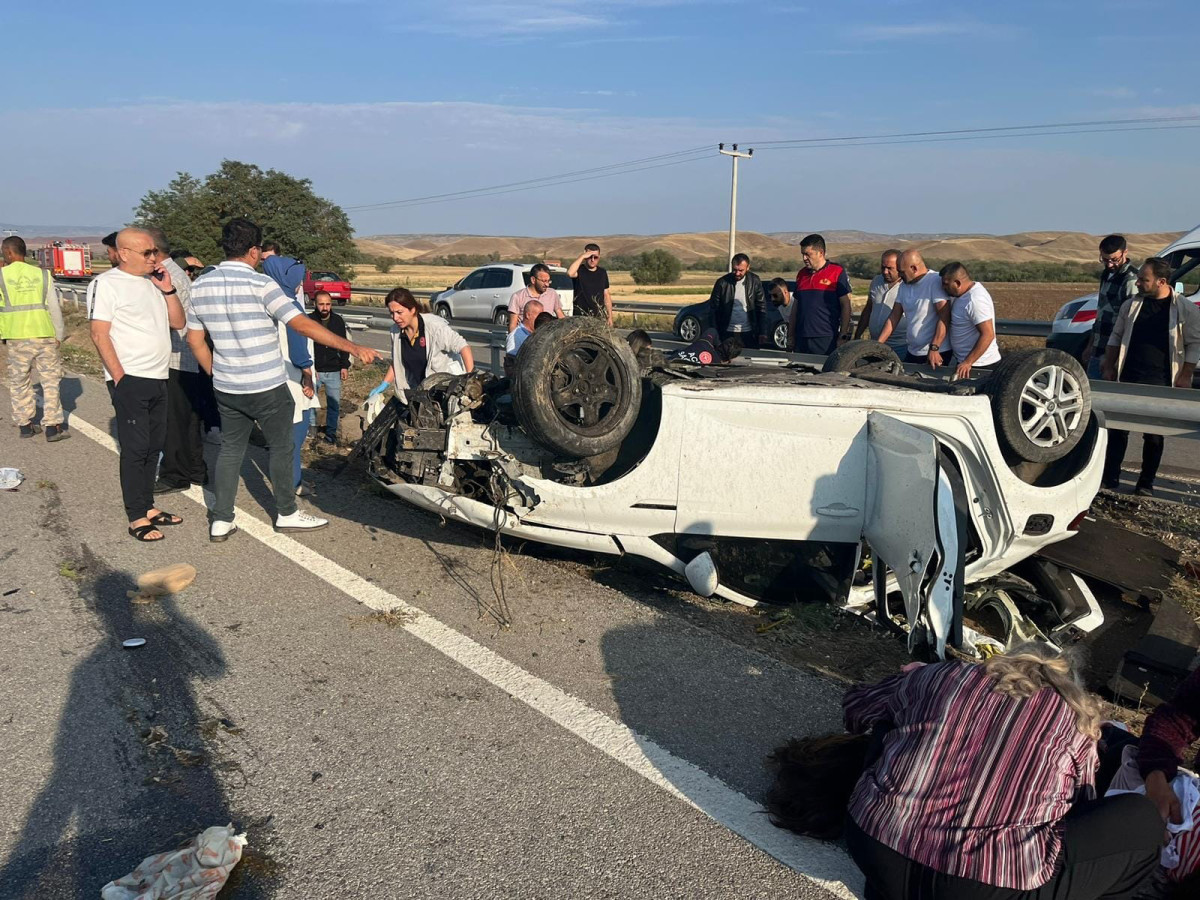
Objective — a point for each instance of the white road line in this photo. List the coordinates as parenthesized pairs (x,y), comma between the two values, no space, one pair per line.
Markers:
(823,863)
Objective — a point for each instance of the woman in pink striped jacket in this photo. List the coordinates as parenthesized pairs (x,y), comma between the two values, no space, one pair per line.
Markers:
(983,787)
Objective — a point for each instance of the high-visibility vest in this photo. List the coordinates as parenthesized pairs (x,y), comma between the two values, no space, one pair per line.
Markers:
(23,310)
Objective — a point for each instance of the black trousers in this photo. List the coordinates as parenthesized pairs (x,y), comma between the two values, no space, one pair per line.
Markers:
(183,450)
(1110,847)
(1118,443)
(140,405)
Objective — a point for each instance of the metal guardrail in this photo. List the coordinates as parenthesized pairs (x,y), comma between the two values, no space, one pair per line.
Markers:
(1133,407)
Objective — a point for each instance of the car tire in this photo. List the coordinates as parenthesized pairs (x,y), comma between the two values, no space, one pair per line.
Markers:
(1041,403)
(577,388)
(500,316)
(689,328)
(857,354)
(779,336)
(443,310)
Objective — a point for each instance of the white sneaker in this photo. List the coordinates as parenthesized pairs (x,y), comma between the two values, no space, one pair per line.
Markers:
(220,531)
(305,490)
(299,521)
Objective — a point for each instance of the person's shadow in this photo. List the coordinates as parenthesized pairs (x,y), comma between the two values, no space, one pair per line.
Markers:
(132,775)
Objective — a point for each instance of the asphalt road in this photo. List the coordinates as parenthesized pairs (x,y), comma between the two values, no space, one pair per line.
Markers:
(597,748)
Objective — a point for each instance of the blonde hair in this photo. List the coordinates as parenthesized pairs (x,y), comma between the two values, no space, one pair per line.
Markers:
(1027,668)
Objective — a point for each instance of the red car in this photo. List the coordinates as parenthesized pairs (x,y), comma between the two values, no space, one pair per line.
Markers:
(339,288)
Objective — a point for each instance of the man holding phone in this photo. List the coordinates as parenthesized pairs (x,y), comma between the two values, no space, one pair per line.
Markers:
(135,306)
(590,283)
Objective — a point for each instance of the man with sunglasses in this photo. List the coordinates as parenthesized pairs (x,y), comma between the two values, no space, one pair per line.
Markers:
(135,306)
(1118,283)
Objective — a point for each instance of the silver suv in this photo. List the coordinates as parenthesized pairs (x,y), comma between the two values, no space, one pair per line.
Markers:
(484,293)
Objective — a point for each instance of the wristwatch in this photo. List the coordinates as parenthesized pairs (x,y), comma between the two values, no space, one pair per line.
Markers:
(937,347)
(170,292)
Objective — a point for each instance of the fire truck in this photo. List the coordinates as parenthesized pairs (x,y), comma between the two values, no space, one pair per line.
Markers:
(66,260)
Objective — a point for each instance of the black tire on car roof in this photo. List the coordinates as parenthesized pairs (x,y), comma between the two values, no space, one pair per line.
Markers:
(857,354)
(1041,403)
(577,388)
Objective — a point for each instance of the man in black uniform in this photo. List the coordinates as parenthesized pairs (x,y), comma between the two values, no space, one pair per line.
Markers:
(331,365)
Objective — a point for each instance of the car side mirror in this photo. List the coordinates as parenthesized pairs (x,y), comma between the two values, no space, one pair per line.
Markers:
(701,574)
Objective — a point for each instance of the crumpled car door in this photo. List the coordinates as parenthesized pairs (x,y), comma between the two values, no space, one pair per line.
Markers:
(914,528)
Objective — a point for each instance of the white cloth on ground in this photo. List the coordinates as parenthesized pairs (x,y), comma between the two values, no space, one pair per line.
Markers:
(1128,780)
(194,872)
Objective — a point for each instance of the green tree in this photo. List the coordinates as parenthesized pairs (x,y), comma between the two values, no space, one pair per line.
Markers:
(656,267)
(383,264)
(306,226)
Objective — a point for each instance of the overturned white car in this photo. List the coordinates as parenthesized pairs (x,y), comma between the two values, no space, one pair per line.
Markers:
(775,484)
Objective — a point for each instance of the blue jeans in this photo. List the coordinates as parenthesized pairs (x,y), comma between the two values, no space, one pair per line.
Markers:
(333,401)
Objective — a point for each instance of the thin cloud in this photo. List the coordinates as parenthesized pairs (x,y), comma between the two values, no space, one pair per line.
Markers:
(921,30)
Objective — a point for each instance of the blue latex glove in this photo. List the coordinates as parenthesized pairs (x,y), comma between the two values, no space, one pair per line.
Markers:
(380,388)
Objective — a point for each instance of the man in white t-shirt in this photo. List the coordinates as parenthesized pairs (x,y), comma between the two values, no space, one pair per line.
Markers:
(972,321)
(134,305)
(920,300)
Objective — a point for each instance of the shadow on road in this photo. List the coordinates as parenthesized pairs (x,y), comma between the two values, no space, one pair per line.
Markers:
(120,791)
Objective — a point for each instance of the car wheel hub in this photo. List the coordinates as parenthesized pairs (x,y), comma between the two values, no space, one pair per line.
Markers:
(1051,406)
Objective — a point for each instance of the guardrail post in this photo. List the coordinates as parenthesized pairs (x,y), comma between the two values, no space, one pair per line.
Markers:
(498,345)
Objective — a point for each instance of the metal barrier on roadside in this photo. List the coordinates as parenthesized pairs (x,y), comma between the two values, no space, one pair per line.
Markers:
(1132,407)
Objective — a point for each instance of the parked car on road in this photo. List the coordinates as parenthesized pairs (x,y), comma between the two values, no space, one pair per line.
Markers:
(691,321)
(1074,320)
(338,287)
(945,484)
(484,293)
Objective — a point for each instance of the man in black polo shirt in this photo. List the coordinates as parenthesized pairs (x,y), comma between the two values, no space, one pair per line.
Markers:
(590,283)
(1155,340)
(331,365)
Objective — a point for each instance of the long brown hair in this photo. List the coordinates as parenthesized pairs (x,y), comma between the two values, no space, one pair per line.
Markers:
(404,297)
(1027,668)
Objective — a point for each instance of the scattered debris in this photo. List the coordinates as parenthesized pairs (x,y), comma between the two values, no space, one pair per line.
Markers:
(392,618)
(67,569)
(10,479)
(11,592)
(162,582)
(197,870)
(131,643)
(1138,565)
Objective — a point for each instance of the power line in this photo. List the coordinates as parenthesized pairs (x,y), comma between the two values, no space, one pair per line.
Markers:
(695,154)
(985,137)
(979,131)
(532,181)
(565,180)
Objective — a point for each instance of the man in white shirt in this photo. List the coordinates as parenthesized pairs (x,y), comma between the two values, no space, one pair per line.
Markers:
(972,321)
(881,300)
(134,305)
(920,301)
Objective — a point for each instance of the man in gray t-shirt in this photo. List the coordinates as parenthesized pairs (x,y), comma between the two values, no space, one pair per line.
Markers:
(881,300)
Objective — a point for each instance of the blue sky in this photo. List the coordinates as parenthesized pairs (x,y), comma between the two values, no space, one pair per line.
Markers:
(380,101)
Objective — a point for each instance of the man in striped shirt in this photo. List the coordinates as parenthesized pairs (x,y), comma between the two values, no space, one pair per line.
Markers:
(239,308)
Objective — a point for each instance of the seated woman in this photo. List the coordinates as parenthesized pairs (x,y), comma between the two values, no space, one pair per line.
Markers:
(422,343)
(982,787)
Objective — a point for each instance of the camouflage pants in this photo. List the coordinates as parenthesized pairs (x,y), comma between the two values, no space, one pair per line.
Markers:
(23,357)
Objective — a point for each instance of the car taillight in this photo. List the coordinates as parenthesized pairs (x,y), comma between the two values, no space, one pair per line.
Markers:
(1084,315)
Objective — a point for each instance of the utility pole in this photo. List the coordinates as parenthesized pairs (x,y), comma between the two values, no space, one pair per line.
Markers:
(733,194)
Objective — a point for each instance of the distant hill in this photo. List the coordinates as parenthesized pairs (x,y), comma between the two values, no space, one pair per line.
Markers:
(1026,246)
